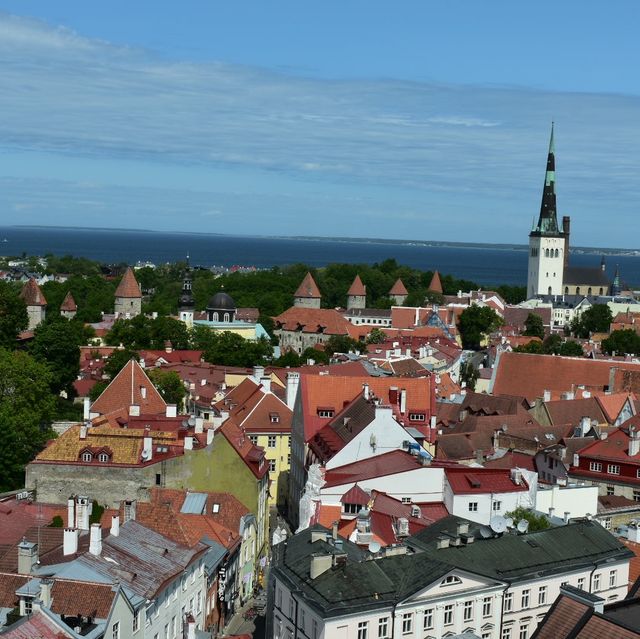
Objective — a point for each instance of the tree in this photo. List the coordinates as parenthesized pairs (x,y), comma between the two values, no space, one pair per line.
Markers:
(469,375)
(376,336)
(622,342)
(57,343)
(534,346)
(26,406)
(536,522)
(343,344)
(552,344)
(96,390)
(290,359)
(118,360)
(13,315)
(230,349)
(571,348)
(170,386)
(475,322)
(319,357)
(533,326)
(596,319)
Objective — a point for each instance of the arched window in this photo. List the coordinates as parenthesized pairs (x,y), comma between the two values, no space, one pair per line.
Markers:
(87,456)
(589,291)
(549,293)
(215,317)
(546,253)
(103,457)
(566,290)
(557,253)
(226,317)
(601,291)
(577,290)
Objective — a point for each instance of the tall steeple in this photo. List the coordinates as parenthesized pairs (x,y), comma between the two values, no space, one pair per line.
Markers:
(186,301)
(548,220)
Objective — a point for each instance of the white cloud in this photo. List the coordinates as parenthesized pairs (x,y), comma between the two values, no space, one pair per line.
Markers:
(472,156)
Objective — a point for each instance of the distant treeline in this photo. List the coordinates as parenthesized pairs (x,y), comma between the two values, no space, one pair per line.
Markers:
(271,290)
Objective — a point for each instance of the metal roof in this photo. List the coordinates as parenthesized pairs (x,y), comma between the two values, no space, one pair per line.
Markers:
(194,503)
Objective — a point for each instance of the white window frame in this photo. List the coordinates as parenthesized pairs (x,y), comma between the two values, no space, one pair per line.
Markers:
(613,469)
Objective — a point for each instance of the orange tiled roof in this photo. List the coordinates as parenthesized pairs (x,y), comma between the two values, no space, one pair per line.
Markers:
(126,389)
(308,288)
(612,404)
(128,286)
(313,320)
(436,284)
(357,287)
(253,456)
(68,303)
(32,295)
(528,375)
(123,444)
(398,288)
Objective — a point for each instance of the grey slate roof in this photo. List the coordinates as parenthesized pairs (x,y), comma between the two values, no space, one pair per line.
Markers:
(514,557)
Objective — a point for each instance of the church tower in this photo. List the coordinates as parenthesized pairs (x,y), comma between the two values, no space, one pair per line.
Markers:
(186,303)
(547,243)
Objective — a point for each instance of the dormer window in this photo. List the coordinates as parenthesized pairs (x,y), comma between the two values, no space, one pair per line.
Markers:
(417,417)
(87,456)
(326,411)
(103,457)
(274,418)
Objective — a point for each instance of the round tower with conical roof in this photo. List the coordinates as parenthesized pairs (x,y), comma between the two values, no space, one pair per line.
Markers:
(128,296)
(357,294)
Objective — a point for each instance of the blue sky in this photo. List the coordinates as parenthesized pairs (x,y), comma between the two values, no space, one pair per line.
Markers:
(409,119)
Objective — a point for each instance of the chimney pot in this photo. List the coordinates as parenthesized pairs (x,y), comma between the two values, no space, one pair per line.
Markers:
(95,540)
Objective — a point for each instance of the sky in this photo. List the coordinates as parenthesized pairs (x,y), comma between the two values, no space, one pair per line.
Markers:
(402,120)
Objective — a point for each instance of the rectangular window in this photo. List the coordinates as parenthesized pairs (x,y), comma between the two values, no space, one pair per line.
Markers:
(383,628)
(448,615)
(486,607)
(508,602)
(253,439)
(467,611)
(271,441)
(636,495)
(638,473)
(199,602)
(272,465)
(613,578)
(610,490)
(524,632)
(314,629)
(542,595)
(473,506)
(407,623)
(595,466)
(524,600)
(363,629)
(136,621)
(506,633)
(606,522)
(427,622)
(416,417)
(115,632)
(158,479)
(166,631)
(325,413)
(596,582)
(613,469)
(278,598)
(174,627)
(497,505)
(581,583)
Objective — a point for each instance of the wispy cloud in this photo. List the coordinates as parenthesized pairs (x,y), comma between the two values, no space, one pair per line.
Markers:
(469,160)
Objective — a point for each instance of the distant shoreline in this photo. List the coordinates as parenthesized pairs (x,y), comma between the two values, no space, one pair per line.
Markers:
(589,250)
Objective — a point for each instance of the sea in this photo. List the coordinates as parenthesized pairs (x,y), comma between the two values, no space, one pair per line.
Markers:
(486,265)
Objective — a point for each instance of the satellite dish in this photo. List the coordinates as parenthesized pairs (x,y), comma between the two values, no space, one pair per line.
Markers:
(191,421)
(523,526)
(374,547)
(509,521)
(485,532)
(498,524)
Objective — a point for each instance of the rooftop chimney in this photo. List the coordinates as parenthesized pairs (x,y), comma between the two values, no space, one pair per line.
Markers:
(403,401)
(258,373)
(129,510)
(320,564)
(70,541)
(95,540)
(589,600)
(265,381)
(71,512)
(83,511)
(393,395)
(171,411)
(365,391)
(86,408)
(293,382)
(27,557)
(188,442)
(115,525)
(45,592)
(210,433)
(147,449)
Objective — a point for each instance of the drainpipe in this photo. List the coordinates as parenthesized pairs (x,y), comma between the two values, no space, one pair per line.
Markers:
(504,592)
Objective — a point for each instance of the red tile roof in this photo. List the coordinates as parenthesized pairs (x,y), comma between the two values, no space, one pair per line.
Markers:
(16,517)
(128,286)
(355,495)
(613,404)
(530,375)
(469,481)
(32,295)
(357,287)
(68,303)
(308,288)
(398,288)
(125,390)
(436,283)
(39,626)
(313,320)
(333,393)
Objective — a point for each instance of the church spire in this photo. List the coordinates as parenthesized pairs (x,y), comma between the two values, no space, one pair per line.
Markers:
(548,220)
